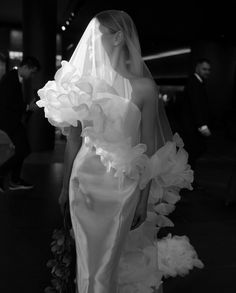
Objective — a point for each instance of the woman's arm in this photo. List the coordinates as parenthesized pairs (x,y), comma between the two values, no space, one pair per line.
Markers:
(73,144)
(148,95)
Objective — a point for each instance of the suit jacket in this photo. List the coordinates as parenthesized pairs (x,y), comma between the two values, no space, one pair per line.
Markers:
(194,110)
(12,105)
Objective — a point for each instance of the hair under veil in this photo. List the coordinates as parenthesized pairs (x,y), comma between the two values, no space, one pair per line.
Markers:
(121,21)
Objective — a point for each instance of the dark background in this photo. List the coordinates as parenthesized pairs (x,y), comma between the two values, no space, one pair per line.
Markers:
(207,28)
(167,21)
(28,218)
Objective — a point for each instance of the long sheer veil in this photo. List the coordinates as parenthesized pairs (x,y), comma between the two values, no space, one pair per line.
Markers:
(91,61)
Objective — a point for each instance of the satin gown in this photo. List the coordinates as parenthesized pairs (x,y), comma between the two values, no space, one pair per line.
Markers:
(102,209)
(107,175)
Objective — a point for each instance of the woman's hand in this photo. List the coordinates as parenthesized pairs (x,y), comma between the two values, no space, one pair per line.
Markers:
(63,198)
(140,215)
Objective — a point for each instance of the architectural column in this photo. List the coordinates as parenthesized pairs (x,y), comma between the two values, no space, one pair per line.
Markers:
(39,40)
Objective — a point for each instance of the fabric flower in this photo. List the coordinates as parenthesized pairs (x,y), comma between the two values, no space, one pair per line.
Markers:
(171,195)
(66,98)
(170,173)
(164,208)
(176,256)
(170,168)
(159,220)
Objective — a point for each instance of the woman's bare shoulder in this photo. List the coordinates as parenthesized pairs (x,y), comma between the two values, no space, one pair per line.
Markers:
(144,88)
(144,83)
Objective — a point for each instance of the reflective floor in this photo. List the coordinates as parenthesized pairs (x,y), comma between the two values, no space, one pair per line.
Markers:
(27,220)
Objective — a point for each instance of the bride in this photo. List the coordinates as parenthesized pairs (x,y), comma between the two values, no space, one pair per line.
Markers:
(123,168)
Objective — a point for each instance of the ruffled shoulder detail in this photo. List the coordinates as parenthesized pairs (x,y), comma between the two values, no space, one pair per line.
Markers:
(66,98)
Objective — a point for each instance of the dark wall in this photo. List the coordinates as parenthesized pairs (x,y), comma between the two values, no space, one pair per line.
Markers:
(39,40)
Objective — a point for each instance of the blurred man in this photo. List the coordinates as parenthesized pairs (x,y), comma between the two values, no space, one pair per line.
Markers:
(12,109)
(195,112)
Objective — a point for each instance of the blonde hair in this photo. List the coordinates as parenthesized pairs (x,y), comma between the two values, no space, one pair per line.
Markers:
(118,20)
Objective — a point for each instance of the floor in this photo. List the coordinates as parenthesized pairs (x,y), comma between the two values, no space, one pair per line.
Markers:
(27,220)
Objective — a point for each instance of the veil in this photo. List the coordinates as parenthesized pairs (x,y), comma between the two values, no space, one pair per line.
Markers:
(91,60)
(90,71)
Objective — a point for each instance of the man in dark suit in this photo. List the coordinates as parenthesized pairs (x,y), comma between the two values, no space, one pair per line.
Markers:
(195,112)
(12,109)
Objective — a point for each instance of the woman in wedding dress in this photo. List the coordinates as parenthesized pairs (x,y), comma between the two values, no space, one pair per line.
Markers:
(123,168)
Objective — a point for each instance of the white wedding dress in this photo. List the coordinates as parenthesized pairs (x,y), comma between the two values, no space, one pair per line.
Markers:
(107,175)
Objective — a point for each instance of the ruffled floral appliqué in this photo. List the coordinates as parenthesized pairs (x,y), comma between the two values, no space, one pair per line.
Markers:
(170,172)
(176,256)
(66,98)
(144,253)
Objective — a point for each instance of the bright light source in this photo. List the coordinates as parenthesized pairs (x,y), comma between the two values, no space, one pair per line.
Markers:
(72,14)
(67,22)
(168,54)
(15,55)
(63,28)
(70,46)
(165,98)
(58,57)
